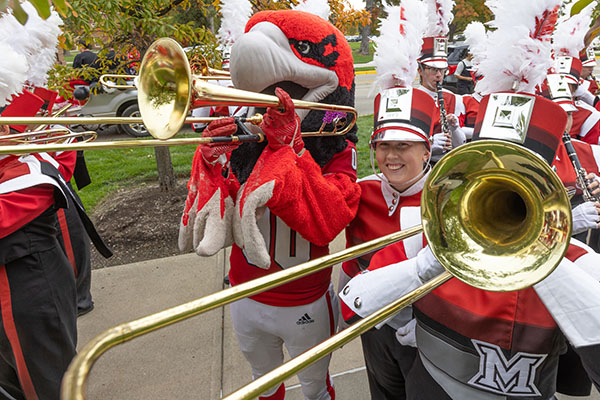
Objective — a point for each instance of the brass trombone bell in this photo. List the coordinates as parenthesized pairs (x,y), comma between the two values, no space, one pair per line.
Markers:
(532,237)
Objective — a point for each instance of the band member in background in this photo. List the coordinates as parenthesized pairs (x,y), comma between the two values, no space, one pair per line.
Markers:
(465,82)
(589,82)
(433,66)
(297,194)
(568,43)
(390,199)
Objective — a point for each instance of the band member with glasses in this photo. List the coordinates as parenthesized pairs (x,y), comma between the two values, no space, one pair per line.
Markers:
(433,66)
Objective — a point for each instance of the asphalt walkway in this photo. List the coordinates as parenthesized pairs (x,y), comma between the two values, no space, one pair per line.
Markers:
(194,359)
(197,358)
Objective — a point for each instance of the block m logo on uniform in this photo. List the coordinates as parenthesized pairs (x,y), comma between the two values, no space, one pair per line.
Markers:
(514,377)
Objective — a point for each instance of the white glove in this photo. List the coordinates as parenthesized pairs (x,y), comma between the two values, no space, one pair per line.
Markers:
(583,94)
(585,216)
(428,267)
(406,334)
(440,141)
(458,135)
(368,291)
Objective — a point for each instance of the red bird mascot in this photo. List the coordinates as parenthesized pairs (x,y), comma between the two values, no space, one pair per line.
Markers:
(281,202)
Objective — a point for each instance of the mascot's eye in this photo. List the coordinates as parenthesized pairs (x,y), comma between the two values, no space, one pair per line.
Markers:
(303,47)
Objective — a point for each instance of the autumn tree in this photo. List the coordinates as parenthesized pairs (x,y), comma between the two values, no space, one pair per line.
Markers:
(467,11)
(129,27)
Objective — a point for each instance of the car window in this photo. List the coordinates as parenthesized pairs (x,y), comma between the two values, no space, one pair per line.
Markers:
(457,54)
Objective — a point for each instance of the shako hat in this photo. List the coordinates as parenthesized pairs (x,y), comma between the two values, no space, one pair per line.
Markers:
(403,114)
(434,51)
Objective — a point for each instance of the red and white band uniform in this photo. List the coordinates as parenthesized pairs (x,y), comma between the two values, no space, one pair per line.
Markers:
(586,123)
(471,103)
(459,327)
(384,210)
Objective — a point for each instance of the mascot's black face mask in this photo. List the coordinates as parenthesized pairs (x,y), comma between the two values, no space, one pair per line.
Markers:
(308,58)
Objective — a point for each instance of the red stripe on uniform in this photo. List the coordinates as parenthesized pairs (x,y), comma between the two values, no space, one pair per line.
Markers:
(64,228)
(13,338)
(331,319)
(330,388)
(278,395)
(574,252)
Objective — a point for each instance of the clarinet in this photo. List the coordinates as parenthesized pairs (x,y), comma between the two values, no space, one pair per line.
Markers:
(441,104)
(579,170)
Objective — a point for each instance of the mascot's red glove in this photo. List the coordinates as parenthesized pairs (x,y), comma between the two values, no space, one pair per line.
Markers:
(206,220)
(221,127)
(283,128)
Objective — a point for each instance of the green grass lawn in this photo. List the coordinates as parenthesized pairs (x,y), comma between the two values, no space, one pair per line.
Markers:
(111,170)
(359,58)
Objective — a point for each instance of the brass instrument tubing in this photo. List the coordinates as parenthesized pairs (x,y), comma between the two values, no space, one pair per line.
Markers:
(74,381)
(293,366)
(46,148)
(92,120)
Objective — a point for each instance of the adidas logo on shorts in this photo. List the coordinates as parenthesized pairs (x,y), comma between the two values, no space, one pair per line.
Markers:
(305,319)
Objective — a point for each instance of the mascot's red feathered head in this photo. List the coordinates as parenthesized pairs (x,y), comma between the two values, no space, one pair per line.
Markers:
(306,56)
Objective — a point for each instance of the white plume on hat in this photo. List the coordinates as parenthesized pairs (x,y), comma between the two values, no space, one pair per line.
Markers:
(236,14)
(46,32)
(568,38)
(398,46)
(518,52)
(316,7)
(28,51)
(476,38)
(13,72)
(439,16)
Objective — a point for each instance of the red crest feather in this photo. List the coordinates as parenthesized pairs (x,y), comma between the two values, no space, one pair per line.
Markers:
(545,24)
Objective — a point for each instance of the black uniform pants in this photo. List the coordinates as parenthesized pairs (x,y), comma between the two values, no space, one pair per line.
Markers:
(76,244)
(38,330)
(388,363)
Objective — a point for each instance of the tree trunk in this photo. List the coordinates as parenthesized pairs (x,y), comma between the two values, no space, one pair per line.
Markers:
(164,167)
(364,42)
(366,31)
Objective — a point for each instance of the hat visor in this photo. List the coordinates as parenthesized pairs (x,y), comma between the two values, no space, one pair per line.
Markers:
(435,63)
(571,79)
(398,135)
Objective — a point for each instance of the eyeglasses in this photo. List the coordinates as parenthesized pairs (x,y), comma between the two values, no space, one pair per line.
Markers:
(435,70)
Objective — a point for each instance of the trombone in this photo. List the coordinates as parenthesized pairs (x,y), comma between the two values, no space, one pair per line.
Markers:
(167,90)
(494,214)
(48,135)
